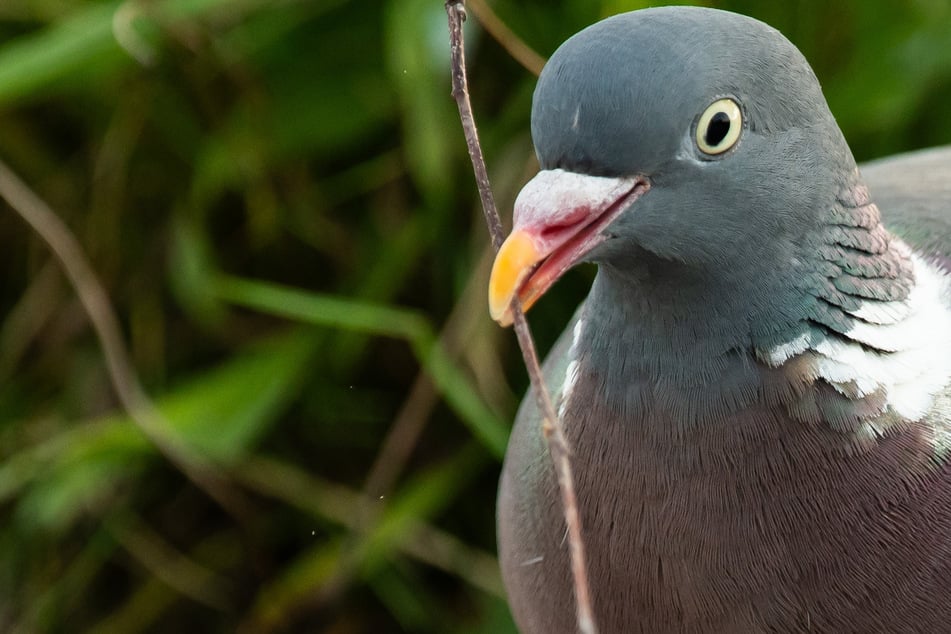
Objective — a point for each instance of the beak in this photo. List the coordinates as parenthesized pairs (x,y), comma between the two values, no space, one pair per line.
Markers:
(559,217)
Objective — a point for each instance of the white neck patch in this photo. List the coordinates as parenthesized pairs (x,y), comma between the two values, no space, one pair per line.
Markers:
(915,332)
(571,372)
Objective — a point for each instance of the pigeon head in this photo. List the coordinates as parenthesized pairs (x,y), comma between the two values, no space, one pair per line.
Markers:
(693,142)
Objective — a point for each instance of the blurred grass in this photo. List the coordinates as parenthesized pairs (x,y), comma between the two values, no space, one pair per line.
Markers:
(277,197)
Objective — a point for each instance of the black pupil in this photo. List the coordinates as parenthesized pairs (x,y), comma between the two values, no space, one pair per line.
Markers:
(717,129)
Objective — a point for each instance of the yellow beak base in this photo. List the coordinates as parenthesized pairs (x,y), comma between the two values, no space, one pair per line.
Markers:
(514,262)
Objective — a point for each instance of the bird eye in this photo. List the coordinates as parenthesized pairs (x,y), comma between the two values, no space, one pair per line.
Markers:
(719,127)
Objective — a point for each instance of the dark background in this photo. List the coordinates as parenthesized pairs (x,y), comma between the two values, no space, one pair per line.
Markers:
(277,199)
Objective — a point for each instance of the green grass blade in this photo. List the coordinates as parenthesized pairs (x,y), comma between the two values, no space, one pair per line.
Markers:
(380,320)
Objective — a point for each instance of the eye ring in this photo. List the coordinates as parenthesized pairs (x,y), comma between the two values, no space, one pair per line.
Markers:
(719,127)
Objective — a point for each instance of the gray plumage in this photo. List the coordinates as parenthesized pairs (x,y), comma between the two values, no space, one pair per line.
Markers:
(748,453)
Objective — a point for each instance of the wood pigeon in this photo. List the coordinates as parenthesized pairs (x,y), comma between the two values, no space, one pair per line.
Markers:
(756,390)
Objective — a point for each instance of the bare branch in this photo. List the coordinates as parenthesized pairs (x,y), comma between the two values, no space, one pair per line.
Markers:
(552,428)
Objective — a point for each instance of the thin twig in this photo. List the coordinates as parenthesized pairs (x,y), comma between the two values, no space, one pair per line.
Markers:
(460,92)
(501,33)
(140,408)
(551,426)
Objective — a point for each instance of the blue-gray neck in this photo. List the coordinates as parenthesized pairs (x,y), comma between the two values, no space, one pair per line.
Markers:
(695,343)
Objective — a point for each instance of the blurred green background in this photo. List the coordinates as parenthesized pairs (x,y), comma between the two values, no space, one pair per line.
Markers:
(276,196)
